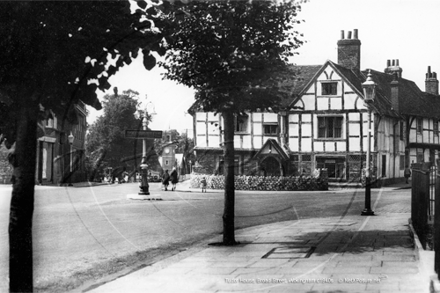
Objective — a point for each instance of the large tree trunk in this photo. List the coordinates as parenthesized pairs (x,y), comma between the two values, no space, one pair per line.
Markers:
(229,208)
(22,201)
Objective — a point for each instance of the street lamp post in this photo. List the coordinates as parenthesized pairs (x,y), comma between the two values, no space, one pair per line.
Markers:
(369,87)
(144,186)
(71,139)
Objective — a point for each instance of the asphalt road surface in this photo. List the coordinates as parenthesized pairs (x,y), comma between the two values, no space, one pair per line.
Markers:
(83,233)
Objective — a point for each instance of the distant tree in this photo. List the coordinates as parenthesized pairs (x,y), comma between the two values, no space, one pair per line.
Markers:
(52,54)
(233,53)
(106,144)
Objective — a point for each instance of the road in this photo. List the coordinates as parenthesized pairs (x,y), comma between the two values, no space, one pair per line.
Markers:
(83,233)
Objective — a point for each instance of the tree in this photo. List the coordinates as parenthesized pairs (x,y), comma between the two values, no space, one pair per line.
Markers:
(106,144)
(234,54)
(54,53)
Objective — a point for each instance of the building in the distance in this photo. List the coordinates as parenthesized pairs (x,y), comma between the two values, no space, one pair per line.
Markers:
(324,124)
(60,149)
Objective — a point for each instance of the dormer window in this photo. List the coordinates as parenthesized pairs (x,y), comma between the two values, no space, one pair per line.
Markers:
(329,88)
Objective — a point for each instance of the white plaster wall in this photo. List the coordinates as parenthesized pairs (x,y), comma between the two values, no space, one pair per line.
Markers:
(237,141)
(319,146)
(257,142)
(212,116)
(322,103)
(258,128)
(270,117)
(354,144)
(293,144)
(247,141)
(306,129)
(256,117)
(294,118)
(200,128)
(336,103)
(200,116)
(214,141)
(349,101)
(293,129)
(306,145)
(201,141)
(330,146)
(341,146)
(306,117)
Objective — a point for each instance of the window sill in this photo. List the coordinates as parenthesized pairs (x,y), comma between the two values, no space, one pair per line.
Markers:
(330,139)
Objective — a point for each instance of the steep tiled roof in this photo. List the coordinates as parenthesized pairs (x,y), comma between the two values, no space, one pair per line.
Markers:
(412,101)
(297,83)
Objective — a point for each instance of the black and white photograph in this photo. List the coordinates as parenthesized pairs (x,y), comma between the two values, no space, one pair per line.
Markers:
(210,146)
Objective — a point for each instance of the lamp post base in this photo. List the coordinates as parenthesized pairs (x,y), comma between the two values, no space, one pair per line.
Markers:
(367,212)
(144,192)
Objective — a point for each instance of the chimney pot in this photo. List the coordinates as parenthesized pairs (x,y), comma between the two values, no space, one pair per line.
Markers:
(394,62)
(355,33)
(397,62)
(431,82)
(349,52)
(388,63)
(342,35)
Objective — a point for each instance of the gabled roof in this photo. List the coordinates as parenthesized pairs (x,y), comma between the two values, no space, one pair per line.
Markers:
(412,101)
(272,147)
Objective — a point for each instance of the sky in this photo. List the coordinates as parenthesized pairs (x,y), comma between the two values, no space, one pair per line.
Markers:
(388,29)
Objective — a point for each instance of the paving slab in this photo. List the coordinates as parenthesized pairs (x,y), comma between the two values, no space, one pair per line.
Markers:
(356,254)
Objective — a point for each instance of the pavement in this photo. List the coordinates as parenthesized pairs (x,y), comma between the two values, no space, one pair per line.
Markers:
(340,254)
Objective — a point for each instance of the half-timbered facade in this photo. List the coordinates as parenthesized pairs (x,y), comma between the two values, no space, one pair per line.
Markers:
(324,124)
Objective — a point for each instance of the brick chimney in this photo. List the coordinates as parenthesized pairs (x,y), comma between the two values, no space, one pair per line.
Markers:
(349,50)
(393,67)
(431,82)
(394,85)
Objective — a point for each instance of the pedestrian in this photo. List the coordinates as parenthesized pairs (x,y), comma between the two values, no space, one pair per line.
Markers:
(203,184)
(407,174)
(166,180)
(174,179)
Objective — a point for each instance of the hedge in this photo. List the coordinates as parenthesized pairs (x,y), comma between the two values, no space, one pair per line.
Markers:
(272,183)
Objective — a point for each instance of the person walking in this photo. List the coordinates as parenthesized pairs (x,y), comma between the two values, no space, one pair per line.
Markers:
(166,180)
(174,179)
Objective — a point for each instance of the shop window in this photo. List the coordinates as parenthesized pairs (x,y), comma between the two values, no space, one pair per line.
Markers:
(329,88)
(329,127)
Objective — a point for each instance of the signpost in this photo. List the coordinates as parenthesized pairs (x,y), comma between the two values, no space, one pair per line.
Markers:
(143,134)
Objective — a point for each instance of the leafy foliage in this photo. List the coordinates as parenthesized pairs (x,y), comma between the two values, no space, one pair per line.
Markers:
(106,144)
(57,52)
(232,52)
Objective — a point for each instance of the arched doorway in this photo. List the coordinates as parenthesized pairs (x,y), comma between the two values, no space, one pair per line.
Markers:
(271,167)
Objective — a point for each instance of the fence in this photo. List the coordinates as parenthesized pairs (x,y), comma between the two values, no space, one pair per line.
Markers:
(420,200)
(425,209)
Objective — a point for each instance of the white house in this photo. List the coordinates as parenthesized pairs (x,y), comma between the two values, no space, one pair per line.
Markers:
(324,124)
